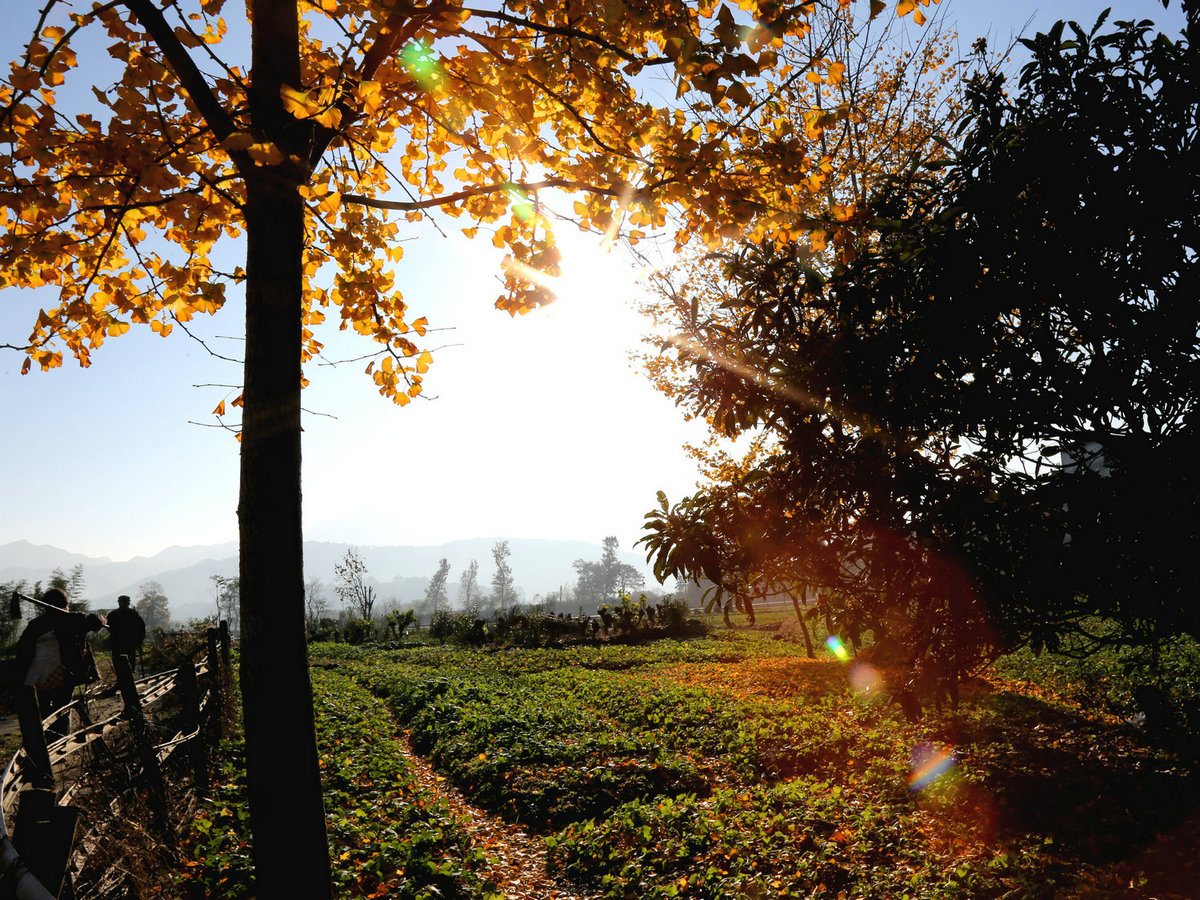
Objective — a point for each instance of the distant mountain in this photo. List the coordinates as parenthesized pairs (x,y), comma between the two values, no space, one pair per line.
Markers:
(398,574)
(39,557)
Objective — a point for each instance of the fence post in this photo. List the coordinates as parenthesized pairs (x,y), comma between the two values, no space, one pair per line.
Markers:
(29,715)
(137,720)
(43,835)
(191,722)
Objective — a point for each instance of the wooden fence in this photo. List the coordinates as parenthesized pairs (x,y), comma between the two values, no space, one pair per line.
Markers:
(38,821)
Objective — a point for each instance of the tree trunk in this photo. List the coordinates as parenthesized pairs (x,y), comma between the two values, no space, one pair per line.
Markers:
(287,819)
(803,627)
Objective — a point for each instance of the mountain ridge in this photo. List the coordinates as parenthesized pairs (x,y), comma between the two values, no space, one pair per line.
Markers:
(399,573)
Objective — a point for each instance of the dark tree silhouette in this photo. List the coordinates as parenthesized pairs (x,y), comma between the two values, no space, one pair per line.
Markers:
(985,418)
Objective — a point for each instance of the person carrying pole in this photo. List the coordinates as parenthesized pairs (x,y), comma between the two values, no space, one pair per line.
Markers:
(52,653)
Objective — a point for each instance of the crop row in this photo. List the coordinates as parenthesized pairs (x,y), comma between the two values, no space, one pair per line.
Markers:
(713,769)
(388,836)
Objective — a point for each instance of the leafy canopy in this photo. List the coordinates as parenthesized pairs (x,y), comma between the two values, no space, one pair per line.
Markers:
(119,197)
(981,422)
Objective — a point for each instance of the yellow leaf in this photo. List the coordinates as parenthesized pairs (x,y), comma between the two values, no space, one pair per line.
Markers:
(296,102)
(186,38)
(331,202)
(738,93)
(918,17)
(220,410)
(331,118)
(423,362)
(239,140)
(266,154)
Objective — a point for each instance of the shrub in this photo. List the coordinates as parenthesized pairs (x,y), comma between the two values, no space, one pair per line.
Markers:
(325,629)
(168,649)
(458,628)
(359,631)
(516,627)
(673,614)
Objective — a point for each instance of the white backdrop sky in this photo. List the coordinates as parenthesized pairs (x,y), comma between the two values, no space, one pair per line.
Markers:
(541,427)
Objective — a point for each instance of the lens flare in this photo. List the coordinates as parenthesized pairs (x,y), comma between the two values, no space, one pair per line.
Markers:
(421,63)
(927,765)
(837,648)
(522,203)
(865,679)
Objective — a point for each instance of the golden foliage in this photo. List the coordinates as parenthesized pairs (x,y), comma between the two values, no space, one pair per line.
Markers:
(120,203)
(866,110)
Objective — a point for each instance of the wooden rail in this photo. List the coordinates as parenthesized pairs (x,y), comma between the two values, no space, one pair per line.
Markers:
(37,819)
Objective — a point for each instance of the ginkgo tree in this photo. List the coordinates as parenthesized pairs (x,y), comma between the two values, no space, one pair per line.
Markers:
(311,132)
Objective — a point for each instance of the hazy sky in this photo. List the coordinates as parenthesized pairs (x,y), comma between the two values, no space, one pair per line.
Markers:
(540,426)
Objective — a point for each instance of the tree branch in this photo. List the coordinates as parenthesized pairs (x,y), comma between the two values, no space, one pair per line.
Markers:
(190,77)
(565,32)
(480,191)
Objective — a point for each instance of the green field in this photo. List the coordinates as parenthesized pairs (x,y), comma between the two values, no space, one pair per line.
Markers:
(725,767)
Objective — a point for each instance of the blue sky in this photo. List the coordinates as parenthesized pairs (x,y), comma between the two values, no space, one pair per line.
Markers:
(540,426)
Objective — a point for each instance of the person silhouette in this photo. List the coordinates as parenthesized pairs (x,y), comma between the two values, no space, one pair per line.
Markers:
(53,655)
(126,630)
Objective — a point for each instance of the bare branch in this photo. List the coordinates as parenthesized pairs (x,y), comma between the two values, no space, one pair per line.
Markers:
(480,191)
(315,413)
(200,341)
(561,31)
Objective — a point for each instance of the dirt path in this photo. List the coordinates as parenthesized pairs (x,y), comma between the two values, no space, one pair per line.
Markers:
(518,858)
(100,706)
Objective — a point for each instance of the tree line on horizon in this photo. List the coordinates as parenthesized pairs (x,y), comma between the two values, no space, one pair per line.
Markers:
(363,614)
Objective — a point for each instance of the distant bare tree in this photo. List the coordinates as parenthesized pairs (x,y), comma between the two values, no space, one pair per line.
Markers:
(468,587)
(504,591)
(350,584)
(225,593)
(435,594)
(316,607)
